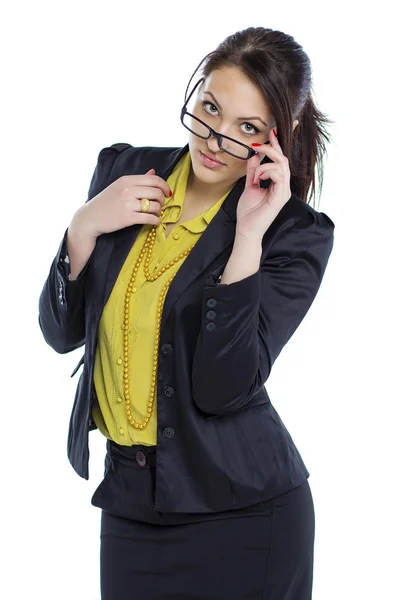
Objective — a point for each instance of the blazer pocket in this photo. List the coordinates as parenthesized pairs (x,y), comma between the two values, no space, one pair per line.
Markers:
(261,402)
(82,360)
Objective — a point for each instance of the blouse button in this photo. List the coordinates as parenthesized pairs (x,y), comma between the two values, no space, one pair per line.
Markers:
(121,431)
(119,399)
(119,361)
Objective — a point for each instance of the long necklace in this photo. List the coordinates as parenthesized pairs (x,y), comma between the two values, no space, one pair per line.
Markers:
(147,250)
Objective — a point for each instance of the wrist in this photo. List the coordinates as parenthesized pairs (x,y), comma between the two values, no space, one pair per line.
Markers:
(80,227)
(247,240)
(244,259)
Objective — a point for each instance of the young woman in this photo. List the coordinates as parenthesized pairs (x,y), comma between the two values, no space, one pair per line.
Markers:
(184,275)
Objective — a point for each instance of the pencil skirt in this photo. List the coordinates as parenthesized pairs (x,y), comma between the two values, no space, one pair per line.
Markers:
(261,552)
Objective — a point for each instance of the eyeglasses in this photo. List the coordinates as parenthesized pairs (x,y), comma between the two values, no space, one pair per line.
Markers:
(204,131)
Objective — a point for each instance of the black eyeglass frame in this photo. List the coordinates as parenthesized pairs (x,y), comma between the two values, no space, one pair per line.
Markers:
(214,133)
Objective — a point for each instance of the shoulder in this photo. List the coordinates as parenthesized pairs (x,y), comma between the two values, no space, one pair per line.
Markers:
(304,215)
(299,231)
(298,216)
(125,159)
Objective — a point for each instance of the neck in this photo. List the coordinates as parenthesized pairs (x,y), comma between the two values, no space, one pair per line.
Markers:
(198,189)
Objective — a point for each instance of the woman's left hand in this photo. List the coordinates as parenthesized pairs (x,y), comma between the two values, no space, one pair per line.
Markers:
(257,207)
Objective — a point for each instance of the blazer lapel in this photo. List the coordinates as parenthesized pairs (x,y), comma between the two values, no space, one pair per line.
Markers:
(216,238)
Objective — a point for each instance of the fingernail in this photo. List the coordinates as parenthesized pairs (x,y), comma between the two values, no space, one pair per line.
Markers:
(170,193)
(256,144)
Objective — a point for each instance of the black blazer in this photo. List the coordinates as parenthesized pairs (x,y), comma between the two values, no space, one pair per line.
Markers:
(220,442)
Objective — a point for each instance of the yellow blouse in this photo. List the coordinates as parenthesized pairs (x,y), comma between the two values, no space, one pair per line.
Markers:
(109,412)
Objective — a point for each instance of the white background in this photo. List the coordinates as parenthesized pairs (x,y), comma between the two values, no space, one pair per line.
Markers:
(77,77)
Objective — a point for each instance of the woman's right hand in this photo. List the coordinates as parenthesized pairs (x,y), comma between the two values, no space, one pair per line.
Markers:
(118,205)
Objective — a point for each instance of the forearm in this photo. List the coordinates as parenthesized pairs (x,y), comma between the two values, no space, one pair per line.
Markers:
(225,365)
(253,317)
(244,260)
(61,303)
(80,246)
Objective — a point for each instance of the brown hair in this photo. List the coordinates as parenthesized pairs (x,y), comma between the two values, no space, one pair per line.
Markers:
(276,63)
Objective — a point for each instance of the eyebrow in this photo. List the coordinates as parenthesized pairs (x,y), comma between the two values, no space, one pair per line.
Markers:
(239,118)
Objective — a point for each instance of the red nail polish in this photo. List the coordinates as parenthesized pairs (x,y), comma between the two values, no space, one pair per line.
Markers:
(256,144)
(170,193)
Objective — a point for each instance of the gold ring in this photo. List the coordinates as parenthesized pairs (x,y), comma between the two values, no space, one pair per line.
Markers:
(144,205)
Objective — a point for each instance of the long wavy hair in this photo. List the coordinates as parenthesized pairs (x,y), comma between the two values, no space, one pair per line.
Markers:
(280,67)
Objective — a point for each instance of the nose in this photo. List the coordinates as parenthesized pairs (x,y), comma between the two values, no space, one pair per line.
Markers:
(212,144)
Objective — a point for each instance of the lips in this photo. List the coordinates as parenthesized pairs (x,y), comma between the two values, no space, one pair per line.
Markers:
(210,162)
(211,158)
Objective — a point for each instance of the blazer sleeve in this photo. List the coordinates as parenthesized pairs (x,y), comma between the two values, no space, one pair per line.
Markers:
(62,302)
(254,318)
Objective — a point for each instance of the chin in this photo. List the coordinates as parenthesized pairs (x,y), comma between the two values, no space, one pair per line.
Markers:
(204,173)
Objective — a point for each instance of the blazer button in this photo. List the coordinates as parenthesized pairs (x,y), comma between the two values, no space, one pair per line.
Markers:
(211,314)
(167,392)
(166,349)
(168,433)
(211,302)
(210,326)
(141,458)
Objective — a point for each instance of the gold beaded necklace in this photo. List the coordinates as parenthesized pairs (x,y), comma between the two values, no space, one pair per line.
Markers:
(148,247)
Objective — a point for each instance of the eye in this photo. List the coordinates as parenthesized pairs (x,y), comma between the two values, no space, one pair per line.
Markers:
(205,103)
(254,130)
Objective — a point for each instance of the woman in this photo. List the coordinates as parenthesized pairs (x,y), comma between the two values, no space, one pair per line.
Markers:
(184,274)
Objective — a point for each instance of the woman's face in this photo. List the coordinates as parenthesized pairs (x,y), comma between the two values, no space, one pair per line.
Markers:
(234,106)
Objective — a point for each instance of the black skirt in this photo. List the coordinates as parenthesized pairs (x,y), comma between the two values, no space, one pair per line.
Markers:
(261,552)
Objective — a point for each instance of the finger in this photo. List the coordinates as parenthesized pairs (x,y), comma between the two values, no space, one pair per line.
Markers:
(275,175)
(252,164)
(262,176)
(274,140)
(163,185)
(272,148)
(154,180)
(261,169)
(150,192)
(145,218)
(154,207)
